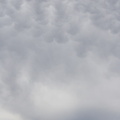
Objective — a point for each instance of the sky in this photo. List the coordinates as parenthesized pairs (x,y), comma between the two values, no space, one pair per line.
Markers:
(59,60)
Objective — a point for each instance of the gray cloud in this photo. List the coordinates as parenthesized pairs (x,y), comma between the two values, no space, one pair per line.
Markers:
(59,58)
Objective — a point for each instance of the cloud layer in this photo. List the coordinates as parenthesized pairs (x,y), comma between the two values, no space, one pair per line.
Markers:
(59,59)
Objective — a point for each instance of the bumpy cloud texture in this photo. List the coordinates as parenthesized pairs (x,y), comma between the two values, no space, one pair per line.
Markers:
(59,59)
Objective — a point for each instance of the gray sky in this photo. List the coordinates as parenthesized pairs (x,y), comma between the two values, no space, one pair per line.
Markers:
(59,59)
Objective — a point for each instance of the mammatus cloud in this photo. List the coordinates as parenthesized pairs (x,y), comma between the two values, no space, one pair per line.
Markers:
(59,59)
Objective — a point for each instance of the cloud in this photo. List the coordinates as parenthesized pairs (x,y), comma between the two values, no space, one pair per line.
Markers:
(59,58)
(6,115)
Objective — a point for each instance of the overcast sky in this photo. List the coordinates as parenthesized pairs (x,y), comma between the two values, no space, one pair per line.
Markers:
(59,59)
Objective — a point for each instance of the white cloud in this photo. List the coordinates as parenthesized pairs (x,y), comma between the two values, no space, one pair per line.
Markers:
(51,100)
(6,115)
